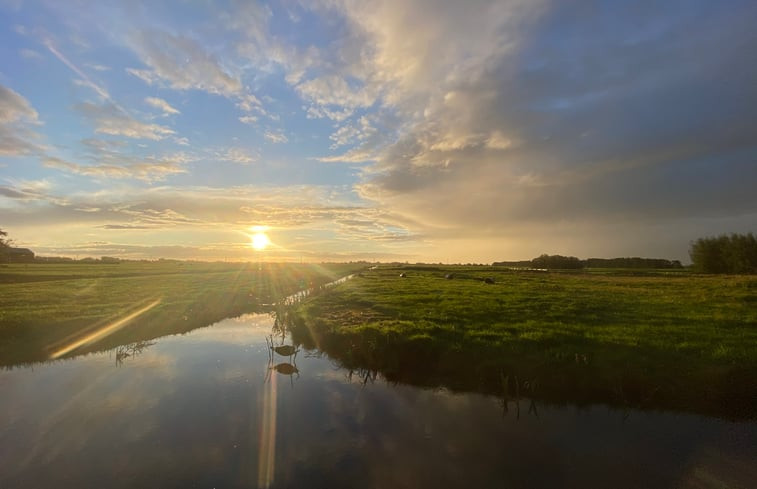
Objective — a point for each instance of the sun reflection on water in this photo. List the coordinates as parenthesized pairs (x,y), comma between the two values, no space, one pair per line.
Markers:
(267,453)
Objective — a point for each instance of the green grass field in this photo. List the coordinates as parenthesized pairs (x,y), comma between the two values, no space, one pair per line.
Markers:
(670,340)
(627,338)
(44,307)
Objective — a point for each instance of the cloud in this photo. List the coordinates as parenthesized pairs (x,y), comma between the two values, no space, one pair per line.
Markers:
(353,133)
(97,67)
(146,76)
(16,117)
(513,119)
(15,108)
(209,207)
(501,121)
(161,104)
(20,193)
(241,156)
(333,114)
(124,226)
(351,156)
(148,169)
(276,137)
(329,92)
(109,119)
(85,79)
(249,103)
(183,64)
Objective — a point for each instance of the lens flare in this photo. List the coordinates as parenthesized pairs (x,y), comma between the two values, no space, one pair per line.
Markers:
(106,330)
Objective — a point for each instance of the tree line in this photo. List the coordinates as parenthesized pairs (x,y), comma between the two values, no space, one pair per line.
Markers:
(561,262)
(727,253)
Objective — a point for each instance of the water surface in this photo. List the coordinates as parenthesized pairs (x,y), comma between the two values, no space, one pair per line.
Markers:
(217,408)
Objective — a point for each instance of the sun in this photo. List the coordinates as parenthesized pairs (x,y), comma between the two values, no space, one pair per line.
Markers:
(260,241)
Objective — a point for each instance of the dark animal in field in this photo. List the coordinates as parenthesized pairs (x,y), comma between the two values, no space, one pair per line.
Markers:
(488,280)
(403,275)
(449,276)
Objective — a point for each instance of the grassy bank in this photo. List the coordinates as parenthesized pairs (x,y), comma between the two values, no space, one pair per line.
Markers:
(44,307)
(669,341)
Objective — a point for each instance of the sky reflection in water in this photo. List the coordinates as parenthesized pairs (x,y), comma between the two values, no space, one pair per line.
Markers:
(205,409)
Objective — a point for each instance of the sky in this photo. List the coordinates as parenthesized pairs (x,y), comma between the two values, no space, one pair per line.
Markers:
(393,130)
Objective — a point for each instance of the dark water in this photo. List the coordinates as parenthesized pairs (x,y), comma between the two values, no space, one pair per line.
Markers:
(209,409)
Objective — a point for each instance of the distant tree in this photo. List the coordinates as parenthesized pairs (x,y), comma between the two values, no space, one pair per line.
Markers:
(5,245)
(632,262)
(557,261)
(735,253)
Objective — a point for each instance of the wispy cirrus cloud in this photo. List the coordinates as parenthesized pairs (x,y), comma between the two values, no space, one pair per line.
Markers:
(149,169)
(17,118)
(80,73)
(275,137)
(162,105)
(242,156)
(109,119)
(183,63)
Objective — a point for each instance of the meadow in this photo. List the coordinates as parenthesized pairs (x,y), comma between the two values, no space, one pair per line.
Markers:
(44,307)
(667,340)
(627,338)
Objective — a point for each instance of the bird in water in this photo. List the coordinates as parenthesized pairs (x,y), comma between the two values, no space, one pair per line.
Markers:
(286,369)
(285,350)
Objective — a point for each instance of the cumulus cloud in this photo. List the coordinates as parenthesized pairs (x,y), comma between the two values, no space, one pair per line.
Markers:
(513,117)
(162,105)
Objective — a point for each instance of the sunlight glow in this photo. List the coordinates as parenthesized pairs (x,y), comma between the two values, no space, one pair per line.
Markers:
(260,241)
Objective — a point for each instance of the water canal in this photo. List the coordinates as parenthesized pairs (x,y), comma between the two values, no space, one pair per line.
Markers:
(217,407)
